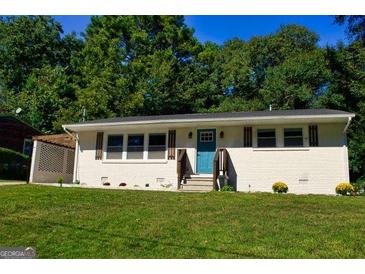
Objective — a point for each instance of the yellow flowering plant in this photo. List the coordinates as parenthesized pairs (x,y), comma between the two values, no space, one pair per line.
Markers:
(344,188)
(280,187)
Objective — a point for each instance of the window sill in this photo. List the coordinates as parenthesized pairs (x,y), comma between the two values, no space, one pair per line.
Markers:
(134,161)
(281,149)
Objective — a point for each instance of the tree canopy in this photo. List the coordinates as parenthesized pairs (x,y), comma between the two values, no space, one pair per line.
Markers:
(146,65)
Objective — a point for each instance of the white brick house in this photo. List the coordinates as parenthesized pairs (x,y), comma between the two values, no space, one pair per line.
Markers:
(306,148)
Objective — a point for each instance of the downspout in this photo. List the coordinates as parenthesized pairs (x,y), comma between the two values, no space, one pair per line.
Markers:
(347,124)
(346,159)
(76,164)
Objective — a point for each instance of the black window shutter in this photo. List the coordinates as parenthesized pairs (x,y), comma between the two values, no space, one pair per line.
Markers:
(313,135)
(171,144)
(247,137)
(99,146)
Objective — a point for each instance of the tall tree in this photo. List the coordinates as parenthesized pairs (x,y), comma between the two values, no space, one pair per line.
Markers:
(355,25)
(346,91)
(135,65)
(46,92)
(297,82)
(27,42)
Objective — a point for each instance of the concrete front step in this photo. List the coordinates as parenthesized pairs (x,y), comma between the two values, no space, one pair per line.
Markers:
(192,191)
(199,182)
(200,177)
(194,187)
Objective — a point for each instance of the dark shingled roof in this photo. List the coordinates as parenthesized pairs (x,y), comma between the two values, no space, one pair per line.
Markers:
(11,118)
(220,115)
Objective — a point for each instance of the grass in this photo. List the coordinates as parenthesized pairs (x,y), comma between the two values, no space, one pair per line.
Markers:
(5,181)
(93,223)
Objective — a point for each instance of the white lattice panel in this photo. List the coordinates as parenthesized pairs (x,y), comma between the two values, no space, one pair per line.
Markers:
(70,161)
(50,162)
(51,158)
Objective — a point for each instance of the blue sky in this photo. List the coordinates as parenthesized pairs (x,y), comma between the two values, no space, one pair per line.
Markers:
(219,28)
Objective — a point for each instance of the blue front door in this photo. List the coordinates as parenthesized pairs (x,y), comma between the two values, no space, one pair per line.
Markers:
(205,151)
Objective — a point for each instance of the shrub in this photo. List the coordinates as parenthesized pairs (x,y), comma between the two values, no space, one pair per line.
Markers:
(59,180)
(227,188)
(359,187)
(13,165)
(280,187)
(344,188)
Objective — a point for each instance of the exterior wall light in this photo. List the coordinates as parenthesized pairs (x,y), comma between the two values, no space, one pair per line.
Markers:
(221,134)
(190,135)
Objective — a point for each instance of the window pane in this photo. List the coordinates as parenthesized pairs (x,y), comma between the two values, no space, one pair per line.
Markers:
(157,139)
(115,140)
(115,147)
(266,142)
(135,140)
(293,132)
(266,138)
(157,146)
(293,142)
(28,147)
(266,133)
(135,146)
(293,137)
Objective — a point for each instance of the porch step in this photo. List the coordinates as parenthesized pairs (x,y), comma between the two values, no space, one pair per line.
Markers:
(198,183)
(200,177)
(194,190)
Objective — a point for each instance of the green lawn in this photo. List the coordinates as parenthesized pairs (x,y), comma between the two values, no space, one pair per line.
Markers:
(91,223)
(7,182)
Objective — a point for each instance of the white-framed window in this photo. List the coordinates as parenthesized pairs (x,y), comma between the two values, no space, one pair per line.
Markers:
(135,146)
(266,137)
(114,148)
(293,137)
(157,146)
(27,146)
(206,136)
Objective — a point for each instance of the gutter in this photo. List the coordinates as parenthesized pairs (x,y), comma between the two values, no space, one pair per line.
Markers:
(76,162)
(76,137)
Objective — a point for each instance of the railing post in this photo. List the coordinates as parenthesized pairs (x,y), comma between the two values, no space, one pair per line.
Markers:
(181,166)
(220,165)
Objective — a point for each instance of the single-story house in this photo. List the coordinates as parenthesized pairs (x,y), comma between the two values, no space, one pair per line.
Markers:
(305,148)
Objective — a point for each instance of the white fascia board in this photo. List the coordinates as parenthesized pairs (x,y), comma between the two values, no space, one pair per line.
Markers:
(278,119)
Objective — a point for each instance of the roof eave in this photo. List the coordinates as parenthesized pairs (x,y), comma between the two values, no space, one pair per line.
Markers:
(171,122)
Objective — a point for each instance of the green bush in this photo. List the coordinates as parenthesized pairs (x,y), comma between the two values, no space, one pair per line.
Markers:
(60,180)
(359,187)
(344,188)
(227,188)
(13,165)
(280,187)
